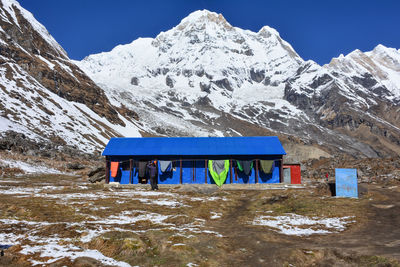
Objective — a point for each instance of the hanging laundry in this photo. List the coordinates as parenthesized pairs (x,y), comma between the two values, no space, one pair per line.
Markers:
(266,166)
(114,168)
(218,166)
(142,168)
(219,170)
(165,165)
(245,166)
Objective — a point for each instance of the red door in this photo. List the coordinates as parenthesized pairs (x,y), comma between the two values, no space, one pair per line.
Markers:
(295,174)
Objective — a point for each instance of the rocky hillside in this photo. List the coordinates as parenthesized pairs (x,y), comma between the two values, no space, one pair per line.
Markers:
(205,77)
(45,96)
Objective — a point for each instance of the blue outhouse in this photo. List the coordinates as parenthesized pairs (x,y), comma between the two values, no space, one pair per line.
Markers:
(189,158)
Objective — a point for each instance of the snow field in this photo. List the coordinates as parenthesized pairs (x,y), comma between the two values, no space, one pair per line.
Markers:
(294,224)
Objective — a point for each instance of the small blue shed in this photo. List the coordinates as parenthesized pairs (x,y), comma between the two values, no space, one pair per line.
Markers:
(189,157)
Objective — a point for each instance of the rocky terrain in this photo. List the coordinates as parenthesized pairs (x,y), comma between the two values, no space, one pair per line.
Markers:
(45,96)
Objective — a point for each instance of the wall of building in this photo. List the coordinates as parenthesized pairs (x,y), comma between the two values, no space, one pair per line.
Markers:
(193,172)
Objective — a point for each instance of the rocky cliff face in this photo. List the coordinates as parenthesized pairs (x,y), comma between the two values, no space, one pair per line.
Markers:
(356,95)
(44,95)
(206,77)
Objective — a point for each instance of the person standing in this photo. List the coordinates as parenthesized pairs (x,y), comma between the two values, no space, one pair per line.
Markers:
(153,174)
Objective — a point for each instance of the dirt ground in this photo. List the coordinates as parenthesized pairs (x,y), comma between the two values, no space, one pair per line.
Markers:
(58,220)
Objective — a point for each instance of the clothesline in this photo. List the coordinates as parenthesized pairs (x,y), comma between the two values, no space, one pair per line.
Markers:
(185,160)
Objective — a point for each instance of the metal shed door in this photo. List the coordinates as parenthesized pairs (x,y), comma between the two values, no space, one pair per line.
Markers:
(296,174)
(286,175)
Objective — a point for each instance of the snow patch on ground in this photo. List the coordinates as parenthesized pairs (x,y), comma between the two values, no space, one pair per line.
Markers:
(57,252)
(128,217)
(29,168)
(163,202)
(293,224)
(215,215)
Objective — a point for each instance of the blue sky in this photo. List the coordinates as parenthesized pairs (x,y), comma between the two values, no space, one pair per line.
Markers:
(317,30)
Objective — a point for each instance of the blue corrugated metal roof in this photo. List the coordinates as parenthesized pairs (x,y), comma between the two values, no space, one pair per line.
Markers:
(194,146)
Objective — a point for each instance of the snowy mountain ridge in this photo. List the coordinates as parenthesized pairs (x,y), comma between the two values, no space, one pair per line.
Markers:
(44,95)
(205,77)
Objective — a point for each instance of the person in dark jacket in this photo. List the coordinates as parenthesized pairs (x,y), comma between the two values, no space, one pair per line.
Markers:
(152,172)
(142,170)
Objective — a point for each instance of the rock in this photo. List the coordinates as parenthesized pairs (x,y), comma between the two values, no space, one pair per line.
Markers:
(323,189)
(135,81)
(277,198)
(205,87)
(98,177)
(199,73)
(96,170)
(223,83)
(187,73)
(256,75)
(169,81)
(75,166)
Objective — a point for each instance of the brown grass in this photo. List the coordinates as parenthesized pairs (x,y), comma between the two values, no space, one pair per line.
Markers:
(147,243)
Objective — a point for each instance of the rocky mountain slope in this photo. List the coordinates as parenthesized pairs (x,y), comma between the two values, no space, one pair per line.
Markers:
(45,96)
(205,77)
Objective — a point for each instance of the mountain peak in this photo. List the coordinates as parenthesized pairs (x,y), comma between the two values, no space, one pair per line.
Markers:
(384,50)
(267,31)
(203,16)
(380,47)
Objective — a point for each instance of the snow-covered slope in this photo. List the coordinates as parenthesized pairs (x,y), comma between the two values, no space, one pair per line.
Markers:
(202,59)
(382,63)
(46,96)
(203,77)
(206,77)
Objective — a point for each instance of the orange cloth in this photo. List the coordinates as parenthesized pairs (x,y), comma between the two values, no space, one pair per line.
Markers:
(114,168)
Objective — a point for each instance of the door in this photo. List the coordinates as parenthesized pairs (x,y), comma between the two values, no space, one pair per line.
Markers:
(287,176)
(296,174)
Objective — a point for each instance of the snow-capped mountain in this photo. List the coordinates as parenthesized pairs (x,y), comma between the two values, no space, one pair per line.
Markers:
(206,77)
(200,64)
(203,77)
(44,95)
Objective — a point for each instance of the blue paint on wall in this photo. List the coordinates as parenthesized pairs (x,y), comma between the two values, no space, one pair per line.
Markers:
(193,174)
(346,182)
(242,178)
(270,178)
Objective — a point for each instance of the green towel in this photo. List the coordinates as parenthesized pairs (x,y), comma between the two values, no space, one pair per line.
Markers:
(266,166)
(219,178)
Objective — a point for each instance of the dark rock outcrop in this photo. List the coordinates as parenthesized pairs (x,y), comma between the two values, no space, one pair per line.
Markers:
(256,75)
(169,82)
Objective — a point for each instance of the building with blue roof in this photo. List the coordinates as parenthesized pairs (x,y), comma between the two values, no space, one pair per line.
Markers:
(189,157)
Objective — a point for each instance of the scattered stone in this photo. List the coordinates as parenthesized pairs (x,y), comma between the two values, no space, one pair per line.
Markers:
(277,198)
(96,170)
(97,178)
(75,166)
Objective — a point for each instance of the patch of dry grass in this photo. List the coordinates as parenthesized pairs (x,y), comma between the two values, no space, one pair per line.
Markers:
(77,211)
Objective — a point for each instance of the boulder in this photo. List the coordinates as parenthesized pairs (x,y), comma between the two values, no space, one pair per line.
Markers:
(75,166)
(96,170)
(98,177)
